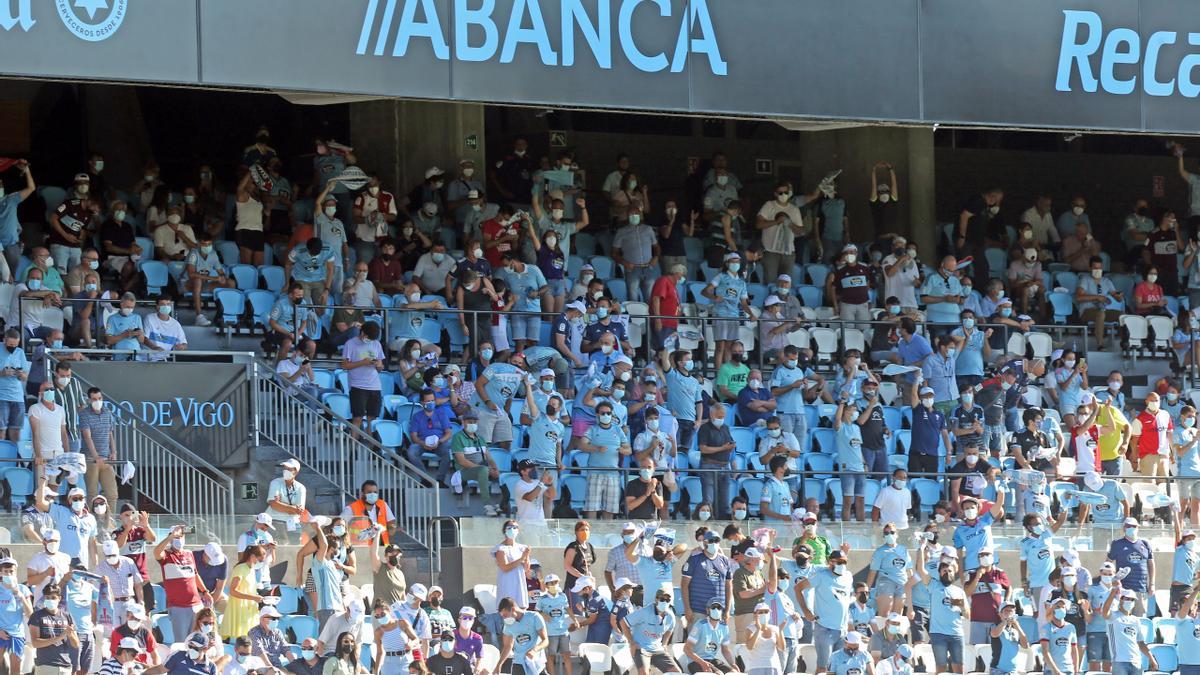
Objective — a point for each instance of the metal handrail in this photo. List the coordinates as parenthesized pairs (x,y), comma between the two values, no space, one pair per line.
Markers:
(168,473)
(325,443)
(433,523)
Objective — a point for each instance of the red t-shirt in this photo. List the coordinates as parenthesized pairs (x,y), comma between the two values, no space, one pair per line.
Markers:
(984,603)
(143,635)
(1147,292)
(1087,448)
(380,272)
(179,578)
(668,295)
(492,229)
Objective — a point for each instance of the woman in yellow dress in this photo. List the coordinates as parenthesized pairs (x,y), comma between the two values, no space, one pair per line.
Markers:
(241,614)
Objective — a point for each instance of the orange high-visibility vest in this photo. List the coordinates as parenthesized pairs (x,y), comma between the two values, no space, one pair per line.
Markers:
(359,508)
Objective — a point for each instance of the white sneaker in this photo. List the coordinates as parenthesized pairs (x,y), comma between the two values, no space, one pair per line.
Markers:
(490,510)
(202,320)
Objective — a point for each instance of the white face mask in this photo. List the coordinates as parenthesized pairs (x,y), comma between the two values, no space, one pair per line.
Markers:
(174,219)
(556,214)
(331,211)
(970,513)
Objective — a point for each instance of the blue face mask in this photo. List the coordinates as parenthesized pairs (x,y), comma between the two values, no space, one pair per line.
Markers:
(792,363)
(689,364)
(784,584)
(486,354)
(429,406)
(57,344)
(439,382)
(1060,613)
(628,538)
(968,323)
(662,605)
(1006,311)
(35,284)
(734,267)
(548,385)
(602,312)
(894,309)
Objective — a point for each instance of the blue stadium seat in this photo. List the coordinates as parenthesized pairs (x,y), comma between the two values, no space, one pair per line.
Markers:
(155,272)
(261,303)
(274,277)
(324,379)
(233,305)
(1063,304)
(289,599)
(303,627)
(604,266)
(817,272)
(696,288)
(391,435)
(20,484)
(997,260)
(228,251)
(826,440)
(339,404)
(928,490)
(147,245)
(743,437)
(245,276)
(577,486)
(810,296)
(619,290)
(819,463)
(162,622)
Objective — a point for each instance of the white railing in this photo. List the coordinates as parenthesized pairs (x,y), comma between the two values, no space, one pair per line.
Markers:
(166,473)
(325,444)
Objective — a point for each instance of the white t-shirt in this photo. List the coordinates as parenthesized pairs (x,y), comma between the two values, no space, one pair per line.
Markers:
(530,512)
(780,238)
(252,663)
(164,334)
(49,428)
(901,284)
(893,506)
(171,241)
(42,561)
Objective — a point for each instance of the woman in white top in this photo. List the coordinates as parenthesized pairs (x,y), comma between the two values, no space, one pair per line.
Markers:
(393,641)
(249,228)
(512,562)
(763,643)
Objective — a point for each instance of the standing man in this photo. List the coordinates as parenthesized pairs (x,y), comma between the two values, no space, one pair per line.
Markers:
(181,581)
(971,229)
(848,288)
(707,578)
(1138,556)
(48,428)
(928,429)
(665,302)
(635,248)
(716,447)
(99,445)
(14,370)
(788,383)
(363,359)
(684,398)
(1150,439)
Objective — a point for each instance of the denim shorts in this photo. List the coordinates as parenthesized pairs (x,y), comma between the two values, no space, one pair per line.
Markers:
(13,412)
(558,287)
(947,650)
(853,484)
(1098,649)
(885,586)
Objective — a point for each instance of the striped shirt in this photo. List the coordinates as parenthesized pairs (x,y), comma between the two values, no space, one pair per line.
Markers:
(100,425)
(112,667)
(620,566)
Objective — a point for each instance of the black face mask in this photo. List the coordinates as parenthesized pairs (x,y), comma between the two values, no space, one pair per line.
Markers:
(862,598)
(801,561)
(659,555)
(435,602)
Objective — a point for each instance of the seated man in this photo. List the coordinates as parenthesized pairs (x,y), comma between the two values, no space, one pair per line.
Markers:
(204,273)
(118,243)
(35,307)
(175,238)
(163,332)
(89,261)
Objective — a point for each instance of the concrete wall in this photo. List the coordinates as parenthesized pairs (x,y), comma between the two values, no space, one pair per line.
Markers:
(1110,183)
(401,139)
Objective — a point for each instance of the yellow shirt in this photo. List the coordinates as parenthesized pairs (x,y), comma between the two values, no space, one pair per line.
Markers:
(1110,416)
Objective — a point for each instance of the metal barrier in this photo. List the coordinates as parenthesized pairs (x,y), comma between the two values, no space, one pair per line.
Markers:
(167,473)
(326,444)
(448,319)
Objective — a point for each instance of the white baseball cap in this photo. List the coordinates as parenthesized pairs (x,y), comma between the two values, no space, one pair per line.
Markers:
(264,519)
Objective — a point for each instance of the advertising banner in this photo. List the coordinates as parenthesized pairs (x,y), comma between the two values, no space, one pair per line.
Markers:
(204,406)
(1106,64)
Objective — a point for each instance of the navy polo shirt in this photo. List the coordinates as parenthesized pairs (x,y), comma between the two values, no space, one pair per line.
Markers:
(927,426)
